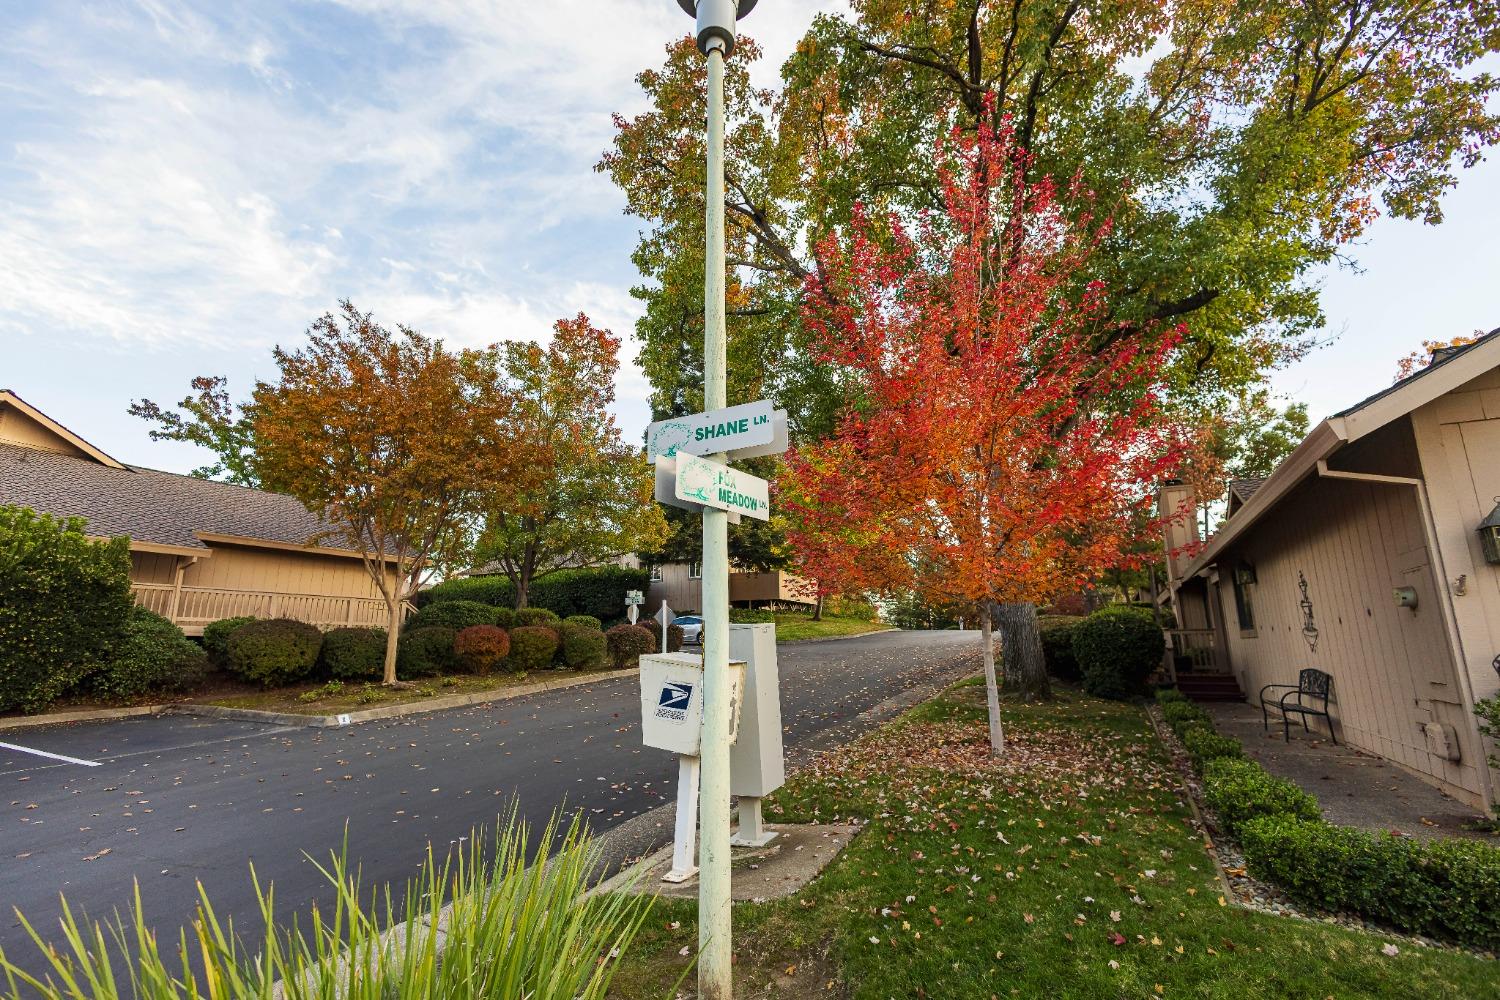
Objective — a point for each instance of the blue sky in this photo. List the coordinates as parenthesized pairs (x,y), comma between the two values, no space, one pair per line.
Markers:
(183,185)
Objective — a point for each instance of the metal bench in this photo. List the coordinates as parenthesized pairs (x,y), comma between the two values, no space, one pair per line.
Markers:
(1310,690)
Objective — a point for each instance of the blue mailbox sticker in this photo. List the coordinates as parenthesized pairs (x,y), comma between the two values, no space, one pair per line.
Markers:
(673,703)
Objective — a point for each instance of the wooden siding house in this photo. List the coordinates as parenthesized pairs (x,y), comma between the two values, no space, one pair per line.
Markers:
(199,550)
(680,585)
(1361,556)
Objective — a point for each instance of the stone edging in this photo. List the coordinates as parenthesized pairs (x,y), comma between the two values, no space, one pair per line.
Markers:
(299,720)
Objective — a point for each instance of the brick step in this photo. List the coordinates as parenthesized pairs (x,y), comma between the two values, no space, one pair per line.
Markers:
(1210,687)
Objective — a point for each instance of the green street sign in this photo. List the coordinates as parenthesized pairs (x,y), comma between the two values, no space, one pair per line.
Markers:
(750,427)
(701,481)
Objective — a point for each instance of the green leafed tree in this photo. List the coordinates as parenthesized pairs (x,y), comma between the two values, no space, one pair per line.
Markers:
(209,420)
(585,496)
(1236,145)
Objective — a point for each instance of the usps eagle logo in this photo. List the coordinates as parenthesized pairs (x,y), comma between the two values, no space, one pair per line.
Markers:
(673,703)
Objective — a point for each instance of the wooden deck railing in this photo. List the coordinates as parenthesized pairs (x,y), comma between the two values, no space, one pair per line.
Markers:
(1197,645)
(191,608)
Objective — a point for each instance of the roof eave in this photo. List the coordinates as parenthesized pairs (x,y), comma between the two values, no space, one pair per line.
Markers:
(1325,439)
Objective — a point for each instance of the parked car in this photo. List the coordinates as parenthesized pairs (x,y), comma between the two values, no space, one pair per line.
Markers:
(692,628)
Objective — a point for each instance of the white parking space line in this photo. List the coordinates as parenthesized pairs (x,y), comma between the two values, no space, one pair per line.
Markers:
(55,756)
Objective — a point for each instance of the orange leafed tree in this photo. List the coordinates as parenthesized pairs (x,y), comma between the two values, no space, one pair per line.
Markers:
(392,439)
(1418,360)
(1003,436)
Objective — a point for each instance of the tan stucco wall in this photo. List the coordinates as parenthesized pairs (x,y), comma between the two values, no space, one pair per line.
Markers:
(1355,542)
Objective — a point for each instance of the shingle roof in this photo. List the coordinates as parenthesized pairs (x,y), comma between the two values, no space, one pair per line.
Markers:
(1440,358)
(150,506)
(1245,488)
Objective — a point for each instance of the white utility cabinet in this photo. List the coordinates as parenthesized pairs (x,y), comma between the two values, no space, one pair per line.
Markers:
(757,765)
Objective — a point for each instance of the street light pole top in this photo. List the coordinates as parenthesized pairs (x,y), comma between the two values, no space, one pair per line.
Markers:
(691,7)
(716,20)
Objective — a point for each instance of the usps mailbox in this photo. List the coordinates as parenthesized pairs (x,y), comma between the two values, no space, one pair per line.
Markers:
(672,719)
(672,701)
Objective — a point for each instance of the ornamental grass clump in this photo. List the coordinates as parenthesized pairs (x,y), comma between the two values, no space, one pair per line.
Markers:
(517,925)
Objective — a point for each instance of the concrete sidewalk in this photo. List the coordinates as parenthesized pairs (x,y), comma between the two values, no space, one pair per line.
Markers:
(1352,787)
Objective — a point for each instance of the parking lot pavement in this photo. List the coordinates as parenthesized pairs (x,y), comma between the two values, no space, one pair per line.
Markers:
(173,801)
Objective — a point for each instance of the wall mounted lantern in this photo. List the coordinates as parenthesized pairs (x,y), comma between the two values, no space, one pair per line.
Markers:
(1489,535)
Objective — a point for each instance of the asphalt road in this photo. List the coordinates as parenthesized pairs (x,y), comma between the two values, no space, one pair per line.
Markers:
(175,800)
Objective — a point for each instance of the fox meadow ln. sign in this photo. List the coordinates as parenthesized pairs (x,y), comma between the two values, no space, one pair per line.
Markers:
(702,481)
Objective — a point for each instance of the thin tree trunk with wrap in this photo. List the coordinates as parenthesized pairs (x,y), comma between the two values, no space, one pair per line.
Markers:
(991,684)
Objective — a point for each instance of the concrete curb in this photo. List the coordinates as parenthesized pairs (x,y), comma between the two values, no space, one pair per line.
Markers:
(834,638)
(298,720)
(88,715)
(394,711)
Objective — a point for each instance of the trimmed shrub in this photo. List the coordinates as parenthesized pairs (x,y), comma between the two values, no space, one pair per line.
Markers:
(64,602)
(1240,790)
(1057,646)
(587,620)
(1443,888)
(1204,745)
(482,648)
(599,591)
(353,654)
(505,618)
(750,616)
(583,647)
(153,657)
(532,647)
(675,637)
(1117,649)
(426,652)
(452,614)
(216,638)
(1166,696)
(843,606)
(529,617)
(274,651)
(1184,715)
(628,643)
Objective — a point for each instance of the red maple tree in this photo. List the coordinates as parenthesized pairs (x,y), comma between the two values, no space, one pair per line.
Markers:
(1003,434)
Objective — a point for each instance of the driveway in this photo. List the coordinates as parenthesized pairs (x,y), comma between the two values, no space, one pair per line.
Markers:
(173,801)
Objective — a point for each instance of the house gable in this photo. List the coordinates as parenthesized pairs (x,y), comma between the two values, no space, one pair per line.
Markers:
(23,424)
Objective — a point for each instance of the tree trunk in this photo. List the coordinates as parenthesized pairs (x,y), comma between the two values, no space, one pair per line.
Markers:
(392,634)
(818,609)
(991,685)
(1021,643)
(523,588)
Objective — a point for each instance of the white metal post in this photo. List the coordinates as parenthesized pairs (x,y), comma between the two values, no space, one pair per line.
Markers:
(714,924)
(687,821)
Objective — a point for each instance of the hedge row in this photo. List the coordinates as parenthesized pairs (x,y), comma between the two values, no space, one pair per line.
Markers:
(599,592)
(277,652)
(1445,888)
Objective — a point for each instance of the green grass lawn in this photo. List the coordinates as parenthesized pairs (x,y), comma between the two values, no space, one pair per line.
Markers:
(793,625)
(1068,870)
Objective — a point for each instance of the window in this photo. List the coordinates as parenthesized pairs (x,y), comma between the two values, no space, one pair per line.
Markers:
(656,574)
(1244,608)
(695,571)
